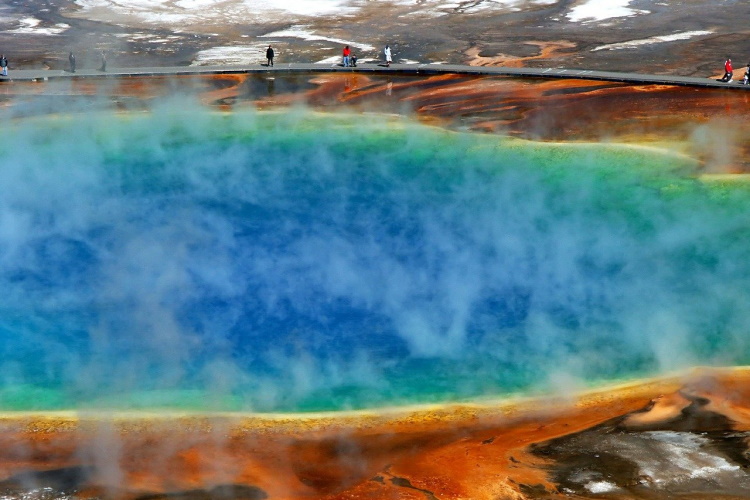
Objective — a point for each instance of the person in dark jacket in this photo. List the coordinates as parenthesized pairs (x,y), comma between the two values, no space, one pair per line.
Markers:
(269,56)
(72,60)
(4,64)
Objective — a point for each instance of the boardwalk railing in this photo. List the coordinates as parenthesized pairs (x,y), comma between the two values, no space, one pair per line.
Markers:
(397,69)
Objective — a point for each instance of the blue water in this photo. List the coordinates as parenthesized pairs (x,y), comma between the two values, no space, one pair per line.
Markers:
(293,262)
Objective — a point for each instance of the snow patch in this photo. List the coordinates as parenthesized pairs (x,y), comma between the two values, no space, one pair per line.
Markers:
(685,35)
(438,8)
(237,55)
(333,60)
(177,13)
(677,457)
(600,10)
(148,37)
(687,453)
(193,11)
(30,26)
(304,34)
(472,7)
(515,5)
(601,487)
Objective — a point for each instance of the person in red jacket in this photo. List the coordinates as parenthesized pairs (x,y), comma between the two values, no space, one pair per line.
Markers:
(728,72)
(347,53)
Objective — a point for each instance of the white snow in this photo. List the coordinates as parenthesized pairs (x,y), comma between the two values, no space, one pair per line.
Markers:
(686,452)
(676,457)
(334,60)
(301,32)
(478,6)
(194,11)
(240,55)
(148,37)
(685,35)
(600,10)
(330,60)
(438,8)
(178,13)
(193,4)
(490,5)
(30,26)
(601,487)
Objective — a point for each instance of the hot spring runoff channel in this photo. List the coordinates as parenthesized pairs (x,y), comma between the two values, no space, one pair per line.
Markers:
(295,261)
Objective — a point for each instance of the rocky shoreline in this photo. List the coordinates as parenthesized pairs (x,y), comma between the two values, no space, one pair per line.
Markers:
(683,435)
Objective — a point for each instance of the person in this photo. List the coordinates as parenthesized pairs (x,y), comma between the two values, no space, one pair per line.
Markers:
(388,58)
(72,60)
(353,60)
(4,64)
(727,71)
(269,56)
(104,62)
(746,80)
(347,52)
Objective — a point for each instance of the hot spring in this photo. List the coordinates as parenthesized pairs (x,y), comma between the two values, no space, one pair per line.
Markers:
(294,261)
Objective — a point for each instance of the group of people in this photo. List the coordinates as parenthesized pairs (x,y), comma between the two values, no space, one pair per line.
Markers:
(71,61)
(350,59)
(729,73)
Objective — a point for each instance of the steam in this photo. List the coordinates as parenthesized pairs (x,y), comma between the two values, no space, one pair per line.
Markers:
(295,261)
(717,142)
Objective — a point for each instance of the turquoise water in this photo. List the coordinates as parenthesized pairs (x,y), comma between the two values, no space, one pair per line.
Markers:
(295,262)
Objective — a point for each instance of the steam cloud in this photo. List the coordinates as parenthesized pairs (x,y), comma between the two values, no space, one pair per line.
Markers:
(292,261)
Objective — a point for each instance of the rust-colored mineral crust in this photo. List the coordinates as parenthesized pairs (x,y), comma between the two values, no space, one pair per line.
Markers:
(455,451)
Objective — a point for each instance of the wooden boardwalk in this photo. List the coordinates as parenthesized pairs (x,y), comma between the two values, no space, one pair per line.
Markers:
(395,69)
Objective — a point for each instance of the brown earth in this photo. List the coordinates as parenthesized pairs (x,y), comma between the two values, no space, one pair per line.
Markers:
(530,35)
(513,450)
(708,124)
(507,450)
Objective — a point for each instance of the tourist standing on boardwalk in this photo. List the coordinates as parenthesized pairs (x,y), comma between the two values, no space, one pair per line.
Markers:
(347,52)
(4,64)
(104,62)
(388,57)
(728,72)
(269,56)
(72,60)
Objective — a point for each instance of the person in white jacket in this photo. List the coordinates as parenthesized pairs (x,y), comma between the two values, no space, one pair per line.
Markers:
(388,58)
